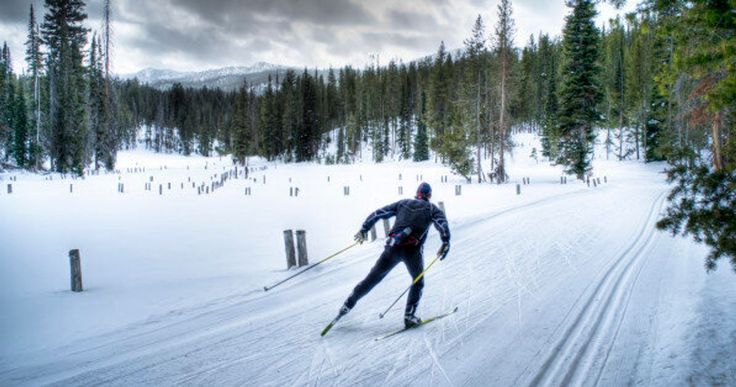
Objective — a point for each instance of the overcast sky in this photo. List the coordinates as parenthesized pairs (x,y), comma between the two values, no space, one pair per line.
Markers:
(203,34)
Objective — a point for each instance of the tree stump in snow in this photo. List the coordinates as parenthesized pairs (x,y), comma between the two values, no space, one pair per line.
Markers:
(289,247)
(75,270)
(301,247)
(386,227)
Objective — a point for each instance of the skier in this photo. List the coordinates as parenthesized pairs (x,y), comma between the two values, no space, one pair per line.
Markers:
(405,243)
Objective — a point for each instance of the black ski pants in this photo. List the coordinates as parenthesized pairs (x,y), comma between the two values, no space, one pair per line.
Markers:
(391,256)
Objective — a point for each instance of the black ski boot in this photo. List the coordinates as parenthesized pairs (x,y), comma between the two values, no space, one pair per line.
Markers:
(343,311)
(410,319)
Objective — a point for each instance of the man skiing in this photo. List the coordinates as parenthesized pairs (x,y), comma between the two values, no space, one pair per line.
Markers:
(405,243)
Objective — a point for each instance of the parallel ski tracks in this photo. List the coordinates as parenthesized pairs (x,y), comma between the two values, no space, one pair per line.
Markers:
(581,351)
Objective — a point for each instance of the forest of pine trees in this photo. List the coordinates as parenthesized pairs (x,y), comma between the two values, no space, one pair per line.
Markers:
(658,84)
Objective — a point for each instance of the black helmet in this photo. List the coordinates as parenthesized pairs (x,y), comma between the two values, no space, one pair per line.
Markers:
(424,191)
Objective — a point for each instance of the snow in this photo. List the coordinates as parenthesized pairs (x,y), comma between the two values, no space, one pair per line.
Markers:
(563,284)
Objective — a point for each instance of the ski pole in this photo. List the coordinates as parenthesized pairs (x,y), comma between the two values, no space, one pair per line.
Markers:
(412,284)
(267,288)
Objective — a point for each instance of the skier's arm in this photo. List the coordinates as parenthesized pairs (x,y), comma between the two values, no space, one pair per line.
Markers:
(381,213)
(440,223)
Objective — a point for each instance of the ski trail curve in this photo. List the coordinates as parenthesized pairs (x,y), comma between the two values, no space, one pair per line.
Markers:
(573,357)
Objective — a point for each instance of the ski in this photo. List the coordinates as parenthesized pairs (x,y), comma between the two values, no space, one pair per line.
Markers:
(424,322)
(329,326)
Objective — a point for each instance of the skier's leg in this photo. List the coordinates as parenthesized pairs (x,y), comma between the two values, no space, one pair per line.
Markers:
(383,266)
(415,264)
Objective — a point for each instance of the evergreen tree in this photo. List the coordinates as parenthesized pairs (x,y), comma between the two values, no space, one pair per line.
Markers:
(20,130)
(579,93)
(615,83)
(405,117)
(241,129)
(703,203)
(6,102)
(421,141)
(439,99)
(504,38)
(308,135)
(35,67)
(475,51)
(65,36)
(550,136)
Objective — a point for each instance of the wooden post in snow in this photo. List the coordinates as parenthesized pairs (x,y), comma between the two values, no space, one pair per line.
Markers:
(75,270)
(458,190)
(518,189)
(301,247)
(289,247)
(10,188)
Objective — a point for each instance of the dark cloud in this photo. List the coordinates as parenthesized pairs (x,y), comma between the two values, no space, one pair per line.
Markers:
(15,11)
(191,34)
(409,20)
(318,12)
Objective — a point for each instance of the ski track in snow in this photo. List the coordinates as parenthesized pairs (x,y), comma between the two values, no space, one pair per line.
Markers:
(572,354)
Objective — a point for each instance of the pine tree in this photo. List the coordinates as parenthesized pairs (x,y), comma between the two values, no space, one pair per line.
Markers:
(475,51)
(20,130)
(615,82)
(241,129)
(405,117)
(703,203)
(504,38)
(6,102)
(35,67)
(550,135)
(438,99)
(65,36)
(421,140)
(579,93)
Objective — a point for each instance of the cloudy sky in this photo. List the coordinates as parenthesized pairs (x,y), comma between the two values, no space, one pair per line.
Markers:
(203,34)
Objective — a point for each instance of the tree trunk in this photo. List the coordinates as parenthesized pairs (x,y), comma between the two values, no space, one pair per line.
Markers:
(716,132)
(501,175)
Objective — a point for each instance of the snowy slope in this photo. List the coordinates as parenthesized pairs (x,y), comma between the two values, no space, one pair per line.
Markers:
(226,78)
(564,284)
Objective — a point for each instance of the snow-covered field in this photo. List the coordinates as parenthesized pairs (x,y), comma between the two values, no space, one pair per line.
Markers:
(563,284)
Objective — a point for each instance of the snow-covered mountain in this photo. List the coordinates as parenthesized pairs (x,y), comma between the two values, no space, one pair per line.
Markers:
(226,78)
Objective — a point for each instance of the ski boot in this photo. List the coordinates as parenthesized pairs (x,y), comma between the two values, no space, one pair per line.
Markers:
(410,319)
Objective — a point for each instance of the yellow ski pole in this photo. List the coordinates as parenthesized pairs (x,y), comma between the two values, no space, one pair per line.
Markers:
(412,284)
(267,288)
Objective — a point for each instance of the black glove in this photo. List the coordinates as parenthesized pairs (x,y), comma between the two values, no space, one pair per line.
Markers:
(361,236)
(444,249)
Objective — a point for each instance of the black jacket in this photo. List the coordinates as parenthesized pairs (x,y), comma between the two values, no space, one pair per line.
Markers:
(414,213)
